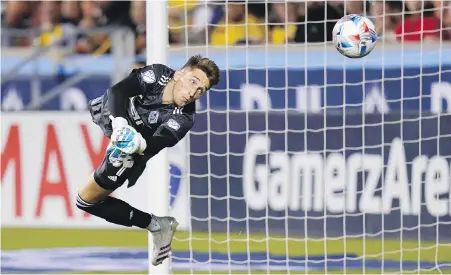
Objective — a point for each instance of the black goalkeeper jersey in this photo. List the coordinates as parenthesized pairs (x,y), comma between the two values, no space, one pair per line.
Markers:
(138,98)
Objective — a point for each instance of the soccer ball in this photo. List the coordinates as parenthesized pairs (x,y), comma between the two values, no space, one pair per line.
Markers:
(354,36)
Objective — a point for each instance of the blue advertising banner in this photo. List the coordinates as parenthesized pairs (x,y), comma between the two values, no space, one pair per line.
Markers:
(16,94)
(370,90)
(311,175)
(307,78)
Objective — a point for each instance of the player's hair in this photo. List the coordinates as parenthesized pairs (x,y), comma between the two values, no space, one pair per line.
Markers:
(206,65)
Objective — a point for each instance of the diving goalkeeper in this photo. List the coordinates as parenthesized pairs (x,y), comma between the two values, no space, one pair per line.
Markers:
(151,109)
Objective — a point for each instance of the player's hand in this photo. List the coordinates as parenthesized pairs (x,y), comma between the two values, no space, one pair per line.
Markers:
(117,123)
(129,141)
(126,138)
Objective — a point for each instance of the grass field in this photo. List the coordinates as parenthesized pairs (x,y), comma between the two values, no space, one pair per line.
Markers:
(15,238)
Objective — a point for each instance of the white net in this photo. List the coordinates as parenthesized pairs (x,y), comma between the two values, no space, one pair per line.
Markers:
(303,160)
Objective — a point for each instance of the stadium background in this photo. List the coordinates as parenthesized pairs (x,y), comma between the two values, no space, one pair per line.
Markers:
(283,91)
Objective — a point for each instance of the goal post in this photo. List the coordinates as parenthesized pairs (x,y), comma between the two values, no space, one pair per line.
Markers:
(303,160)
(157,171)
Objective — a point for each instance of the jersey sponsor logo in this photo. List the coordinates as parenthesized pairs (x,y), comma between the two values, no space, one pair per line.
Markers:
(148,76)
(178,111)
(134,114)
(173,124)
(153,117)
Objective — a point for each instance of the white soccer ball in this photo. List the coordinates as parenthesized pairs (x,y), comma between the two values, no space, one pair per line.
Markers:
(354,36)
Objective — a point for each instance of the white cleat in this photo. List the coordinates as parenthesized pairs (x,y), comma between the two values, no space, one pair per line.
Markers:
(162,238)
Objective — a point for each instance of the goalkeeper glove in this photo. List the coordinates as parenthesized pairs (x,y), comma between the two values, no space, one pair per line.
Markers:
(125,137)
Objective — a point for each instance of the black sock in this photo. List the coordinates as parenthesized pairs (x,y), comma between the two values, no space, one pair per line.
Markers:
(116,211)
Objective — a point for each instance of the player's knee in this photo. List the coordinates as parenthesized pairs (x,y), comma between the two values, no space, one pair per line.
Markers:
(90,195)
(82,204)
(92,192)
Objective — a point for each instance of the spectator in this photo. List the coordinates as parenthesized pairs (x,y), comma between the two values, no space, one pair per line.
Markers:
(70,12)
(70,16)
(385,16)
(206,21)
(417,26)
(137,23)
(18,15)
(312,27)
(92,18)
(202,17)
(282,27)
(234,28)
(442,11)
(49,14)
(180,19)
(21,14)
(16,12)
(355,7)
(100,14)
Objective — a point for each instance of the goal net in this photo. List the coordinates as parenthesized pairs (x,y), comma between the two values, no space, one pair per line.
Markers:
(302,160)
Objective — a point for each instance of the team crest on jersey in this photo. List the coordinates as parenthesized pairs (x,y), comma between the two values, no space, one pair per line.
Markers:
(148,76)
(153,117)
(173,124)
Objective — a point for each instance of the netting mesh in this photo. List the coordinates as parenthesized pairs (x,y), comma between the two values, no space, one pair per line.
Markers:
(303,160)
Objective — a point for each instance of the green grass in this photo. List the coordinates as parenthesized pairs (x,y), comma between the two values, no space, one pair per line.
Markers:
(17,238)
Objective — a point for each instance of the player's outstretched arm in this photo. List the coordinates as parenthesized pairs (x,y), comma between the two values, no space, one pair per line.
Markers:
(119,94)
(169,133)
(138,82)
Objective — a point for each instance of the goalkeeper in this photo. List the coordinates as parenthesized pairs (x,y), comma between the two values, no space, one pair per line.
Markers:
(151,109)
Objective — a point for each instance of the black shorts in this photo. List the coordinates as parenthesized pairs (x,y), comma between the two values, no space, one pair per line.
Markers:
(118,167)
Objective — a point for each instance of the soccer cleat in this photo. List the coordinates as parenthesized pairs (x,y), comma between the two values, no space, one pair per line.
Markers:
(162,238)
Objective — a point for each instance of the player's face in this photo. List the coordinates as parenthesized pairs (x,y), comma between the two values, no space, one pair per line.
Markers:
(189,86)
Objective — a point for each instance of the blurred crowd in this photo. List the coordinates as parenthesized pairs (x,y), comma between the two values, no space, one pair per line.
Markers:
(223,22)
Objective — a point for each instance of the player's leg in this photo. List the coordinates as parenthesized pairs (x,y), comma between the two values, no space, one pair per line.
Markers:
(94,198)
